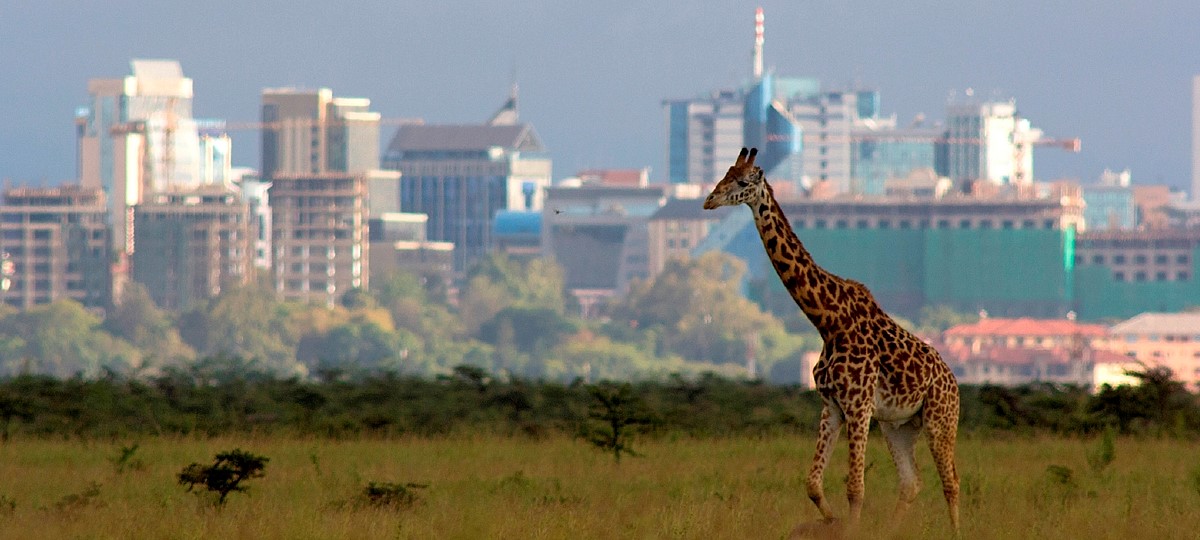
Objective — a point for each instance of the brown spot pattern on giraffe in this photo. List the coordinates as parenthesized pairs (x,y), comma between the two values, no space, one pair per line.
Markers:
(869,364)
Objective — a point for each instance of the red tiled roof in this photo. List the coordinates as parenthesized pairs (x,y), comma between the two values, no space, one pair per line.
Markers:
(1027,327)
(1109,357)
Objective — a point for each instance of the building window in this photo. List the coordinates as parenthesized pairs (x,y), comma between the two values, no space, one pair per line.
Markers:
(1139,277)
(862,224)
(819,224)
(1027,224)
(1181,259)
(1160,276)
(1181,276)
(1160,259)
(943,224)
(1048,224)
(885,224)
(841,224)
(904,224)
(1119,276)
(1118,259)
(985,224)
(1006,224)
(964,224)
(1097,259)
(1139,259)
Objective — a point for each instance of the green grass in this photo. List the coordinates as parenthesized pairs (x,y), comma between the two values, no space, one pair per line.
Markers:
(493,487)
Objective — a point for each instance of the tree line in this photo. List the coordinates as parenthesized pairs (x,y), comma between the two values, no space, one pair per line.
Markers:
(229,395)
(507,316)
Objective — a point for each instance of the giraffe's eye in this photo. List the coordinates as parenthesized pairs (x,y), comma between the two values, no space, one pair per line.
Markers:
(743,182)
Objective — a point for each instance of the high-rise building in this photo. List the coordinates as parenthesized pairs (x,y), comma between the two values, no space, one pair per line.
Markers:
(462,175)
(313,132)
(989,141)
(704,136)
(216,150)
(319,236)
(54,243)
(835,138)
(137,136)
(192,244)
(880,156)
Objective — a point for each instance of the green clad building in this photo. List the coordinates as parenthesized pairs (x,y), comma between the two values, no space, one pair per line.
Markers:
(1018,257)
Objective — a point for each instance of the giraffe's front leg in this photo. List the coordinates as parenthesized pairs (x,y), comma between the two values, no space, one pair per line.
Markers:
(857,428)
(831,425)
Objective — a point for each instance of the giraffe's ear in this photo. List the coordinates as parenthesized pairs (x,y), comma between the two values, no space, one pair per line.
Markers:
(753,153)
(741,157)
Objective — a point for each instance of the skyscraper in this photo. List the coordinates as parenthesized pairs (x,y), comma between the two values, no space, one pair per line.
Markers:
(137,136)
(989,141)
(312,132)
(706,133)
(462,175)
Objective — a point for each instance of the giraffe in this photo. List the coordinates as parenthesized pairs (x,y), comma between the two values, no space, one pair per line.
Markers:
(869,366)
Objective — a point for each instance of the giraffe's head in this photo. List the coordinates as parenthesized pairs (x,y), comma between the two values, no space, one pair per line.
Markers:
(742,184)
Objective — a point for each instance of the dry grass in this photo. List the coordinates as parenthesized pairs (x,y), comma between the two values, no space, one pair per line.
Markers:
(561,488)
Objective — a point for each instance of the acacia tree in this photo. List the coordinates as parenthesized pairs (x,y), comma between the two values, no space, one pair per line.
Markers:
(226,475)
(615,413)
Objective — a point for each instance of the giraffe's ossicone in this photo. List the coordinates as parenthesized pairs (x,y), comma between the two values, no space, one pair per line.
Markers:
(870,367)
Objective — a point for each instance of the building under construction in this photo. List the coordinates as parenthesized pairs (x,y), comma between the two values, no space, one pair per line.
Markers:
(318,236)
(192,244)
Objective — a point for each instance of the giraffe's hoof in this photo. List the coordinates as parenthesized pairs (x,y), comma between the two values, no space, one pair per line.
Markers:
(822,529)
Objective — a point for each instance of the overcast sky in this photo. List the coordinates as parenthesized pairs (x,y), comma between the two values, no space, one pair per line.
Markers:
(592,75)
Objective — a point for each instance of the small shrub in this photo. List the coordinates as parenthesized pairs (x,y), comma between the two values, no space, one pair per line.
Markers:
(1060,475)
(392,495)
(7,505)
(124,460)
(1195,479)
(226,474)
(1062,483)
(76,501)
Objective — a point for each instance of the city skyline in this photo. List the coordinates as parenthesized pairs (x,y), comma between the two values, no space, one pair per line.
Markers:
(1117,78)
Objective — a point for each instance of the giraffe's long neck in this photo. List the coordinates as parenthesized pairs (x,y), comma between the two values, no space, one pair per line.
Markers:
(813,288)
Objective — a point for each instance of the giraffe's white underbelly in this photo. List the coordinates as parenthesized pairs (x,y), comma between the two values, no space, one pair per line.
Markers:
(890,409)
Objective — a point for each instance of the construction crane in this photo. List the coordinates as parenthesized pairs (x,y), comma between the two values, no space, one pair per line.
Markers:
(298,122)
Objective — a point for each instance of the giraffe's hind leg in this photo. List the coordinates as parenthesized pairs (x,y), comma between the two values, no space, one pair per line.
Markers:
(902,444)
(941,422)
(831,425)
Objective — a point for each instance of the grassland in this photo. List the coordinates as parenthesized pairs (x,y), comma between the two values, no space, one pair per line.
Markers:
(495,487)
